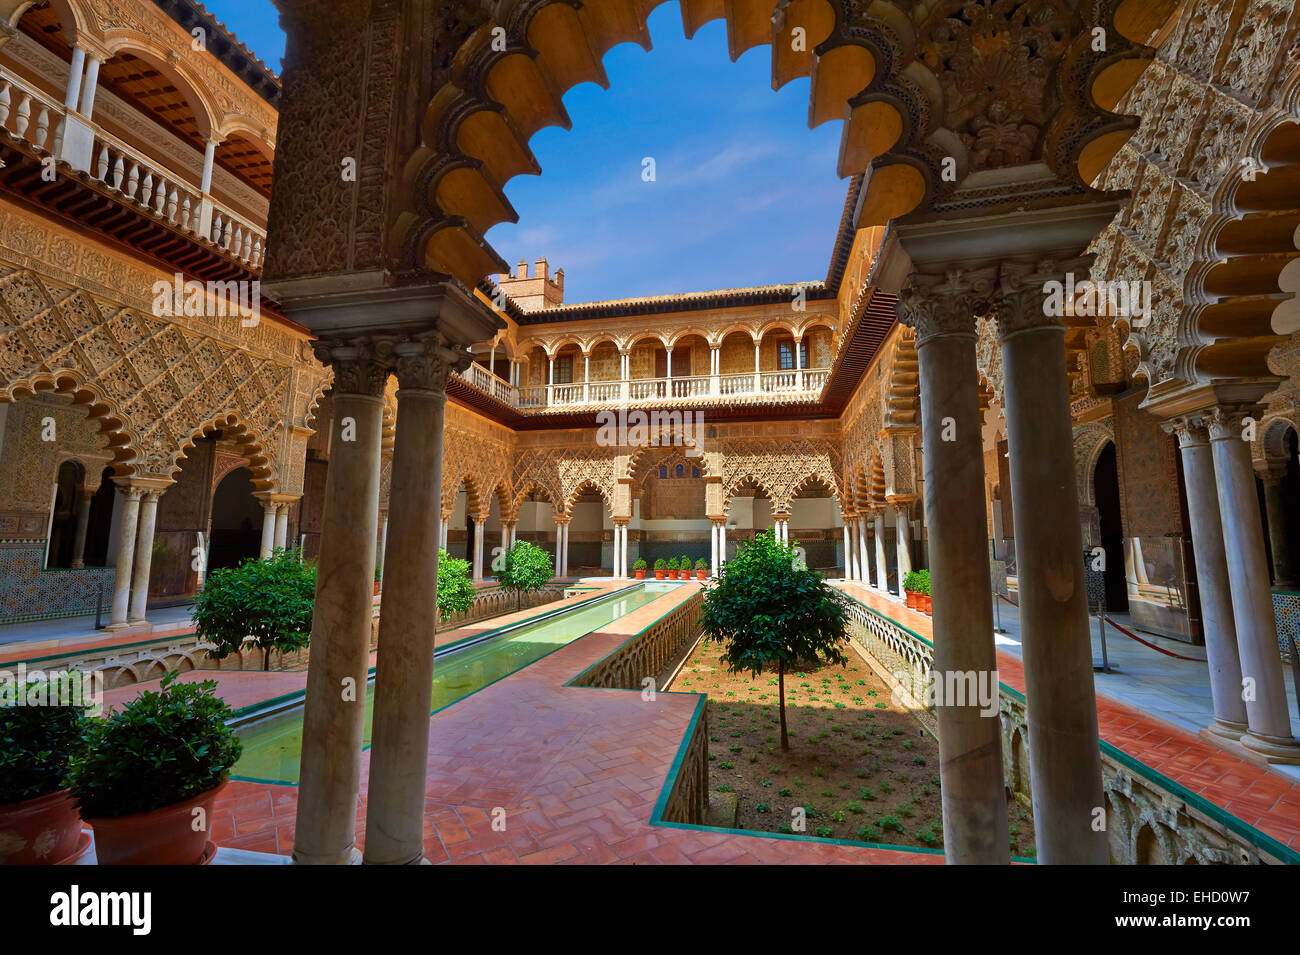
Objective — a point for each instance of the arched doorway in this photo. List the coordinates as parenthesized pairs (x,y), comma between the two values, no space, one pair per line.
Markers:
(1105,486)
(68,497)
(236,521)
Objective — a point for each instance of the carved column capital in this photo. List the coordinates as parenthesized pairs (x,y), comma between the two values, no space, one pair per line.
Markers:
(425,363)
(946,304)
(361,366)
(1190,430)
(1230,421)
(1032,294)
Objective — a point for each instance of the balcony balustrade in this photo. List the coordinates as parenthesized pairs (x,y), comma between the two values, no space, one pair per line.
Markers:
(801,385)
(45,125)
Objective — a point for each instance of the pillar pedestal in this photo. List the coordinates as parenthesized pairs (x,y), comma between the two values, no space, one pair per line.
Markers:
(125,555)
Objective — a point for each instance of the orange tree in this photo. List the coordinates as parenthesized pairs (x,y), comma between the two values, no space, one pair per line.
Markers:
(768,611)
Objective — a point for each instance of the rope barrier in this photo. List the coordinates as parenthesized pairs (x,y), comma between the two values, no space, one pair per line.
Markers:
(1131,635)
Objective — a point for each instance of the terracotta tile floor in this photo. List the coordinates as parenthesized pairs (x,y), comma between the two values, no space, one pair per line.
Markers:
(577,770)
(1266,800)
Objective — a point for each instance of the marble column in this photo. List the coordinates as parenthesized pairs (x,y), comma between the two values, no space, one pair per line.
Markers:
(383,546)
(130,520)
(903,532)
(144,554)
(1276,510)
(1064,748)
(1212,578)
(477,562)
(404,667)
(269,510)
(282,526)
(941,309)
(564,549)
(84,499)
(559,536)
(1263,686)
(334,712)
(864,565)
(848,551)
(882,568)
(713,548)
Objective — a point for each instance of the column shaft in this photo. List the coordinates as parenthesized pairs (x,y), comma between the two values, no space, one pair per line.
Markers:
(282,526)
(334,713)
(903,532)
(1277,531)
(125,555)
(144,555)
(1252,599)
(970,742)
(404,668)
(83,524)
(268,530)
(1212,582)
(864,565)
(882,568)
(1064,748)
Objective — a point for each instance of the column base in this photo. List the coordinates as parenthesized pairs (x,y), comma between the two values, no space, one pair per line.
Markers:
(1272,749)
(417,860)
(1221,730)
(119,626)
(351,857)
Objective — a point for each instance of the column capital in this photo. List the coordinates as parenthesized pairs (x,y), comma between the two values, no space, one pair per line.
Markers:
(424,363)
(1190,429)
(1026,298)
(1229,420)
(946,304)
(361,366)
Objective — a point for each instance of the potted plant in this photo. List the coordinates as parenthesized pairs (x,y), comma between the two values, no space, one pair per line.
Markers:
(149,774)
(638,568)
(39,823)
(910,589)
(661,569)
(672,568)
(684,563)
(923,584)
(701,569)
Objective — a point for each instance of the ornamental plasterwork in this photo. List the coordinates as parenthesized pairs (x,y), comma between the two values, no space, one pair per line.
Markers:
(1089,440)
(30,242)
(781,467)
(1200,103)
(154,385)
(116,20)
(476,453)
(559,472)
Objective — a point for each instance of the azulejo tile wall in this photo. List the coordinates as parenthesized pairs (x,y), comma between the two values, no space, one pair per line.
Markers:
(28,592)
(1286,608)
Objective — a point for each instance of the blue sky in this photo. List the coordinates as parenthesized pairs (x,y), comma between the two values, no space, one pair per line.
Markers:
(744,193)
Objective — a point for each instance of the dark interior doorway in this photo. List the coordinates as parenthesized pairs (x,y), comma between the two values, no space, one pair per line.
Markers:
(236,521)
(1105,486)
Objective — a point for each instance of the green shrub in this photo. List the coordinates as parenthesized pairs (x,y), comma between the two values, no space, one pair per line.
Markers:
(455,588)
(701,564)
(684,563)
(672,563)
(36,743)
(766,611)
(661,564)
(269,601)
(923,581)
(639,564)
(164,747)
(527,568)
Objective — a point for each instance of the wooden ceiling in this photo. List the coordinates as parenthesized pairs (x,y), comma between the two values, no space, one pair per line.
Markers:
(149,90)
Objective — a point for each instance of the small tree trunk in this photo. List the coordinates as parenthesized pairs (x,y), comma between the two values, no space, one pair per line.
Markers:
(780,677)
(266,660)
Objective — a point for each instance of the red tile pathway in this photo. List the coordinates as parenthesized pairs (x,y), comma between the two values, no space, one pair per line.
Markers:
(1266,800)
(577,770)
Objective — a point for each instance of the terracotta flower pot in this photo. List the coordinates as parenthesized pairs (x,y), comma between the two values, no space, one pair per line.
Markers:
(640,575)
(41,831)
(701,574)
(929,606)
(672,575)
(911,598)
(376,588)
(163,836)
(659,574)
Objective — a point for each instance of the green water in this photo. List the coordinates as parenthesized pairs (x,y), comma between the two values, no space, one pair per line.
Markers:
(273,746)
